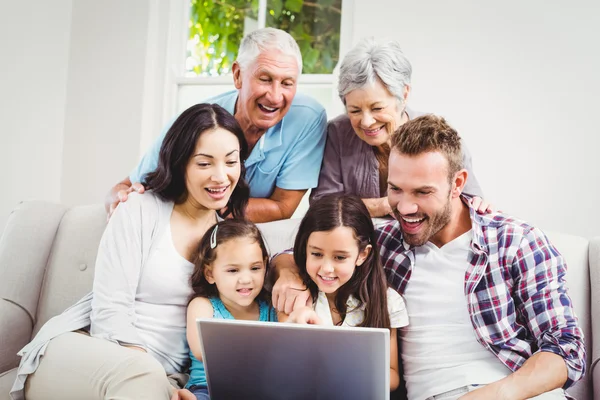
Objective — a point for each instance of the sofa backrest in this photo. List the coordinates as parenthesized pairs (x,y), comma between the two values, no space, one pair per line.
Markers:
(70,267)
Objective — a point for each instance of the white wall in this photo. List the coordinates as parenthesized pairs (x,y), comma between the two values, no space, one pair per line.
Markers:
(520,81)
(34,47)
(104,96)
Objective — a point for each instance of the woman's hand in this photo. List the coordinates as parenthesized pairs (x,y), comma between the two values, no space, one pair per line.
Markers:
(304,315)
(482,206)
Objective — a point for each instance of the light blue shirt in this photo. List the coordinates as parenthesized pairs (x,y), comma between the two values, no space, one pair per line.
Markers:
(288,155)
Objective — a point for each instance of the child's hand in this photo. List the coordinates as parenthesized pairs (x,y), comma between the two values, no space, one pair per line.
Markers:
(183,394)
(305,315)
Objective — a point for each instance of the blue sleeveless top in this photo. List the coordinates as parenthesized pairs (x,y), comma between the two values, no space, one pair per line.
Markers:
(197,374)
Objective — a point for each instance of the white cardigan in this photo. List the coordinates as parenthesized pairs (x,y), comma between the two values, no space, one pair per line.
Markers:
(124,248)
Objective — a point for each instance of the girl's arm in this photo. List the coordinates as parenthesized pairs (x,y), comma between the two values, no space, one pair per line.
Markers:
(394,374)
(200,307)
(304,315)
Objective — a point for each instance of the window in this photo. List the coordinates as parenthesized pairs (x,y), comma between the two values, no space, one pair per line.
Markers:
(216,28)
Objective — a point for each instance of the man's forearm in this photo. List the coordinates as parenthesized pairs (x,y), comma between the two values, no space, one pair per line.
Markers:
(266,210)
(283,263)
(541,373)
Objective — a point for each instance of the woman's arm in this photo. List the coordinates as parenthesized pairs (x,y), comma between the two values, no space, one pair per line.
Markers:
(200,307)
(394,374)
(330,176)
(118,267)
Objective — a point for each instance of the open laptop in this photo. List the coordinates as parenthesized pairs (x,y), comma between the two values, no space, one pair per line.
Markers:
(267,360)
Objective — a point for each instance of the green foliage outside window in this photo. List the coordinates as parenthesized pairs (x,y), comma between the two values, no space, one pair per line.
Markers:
(217,27)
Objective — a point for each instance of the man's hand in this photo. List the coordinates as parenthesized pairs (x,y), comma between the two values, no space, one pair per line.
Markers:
(305,315)
(481,206)
(289,292)
(119,193)
(182,394)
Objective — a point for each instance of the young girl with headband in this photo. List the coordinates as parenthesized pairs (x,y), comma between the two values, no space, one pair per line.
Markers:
(227,283)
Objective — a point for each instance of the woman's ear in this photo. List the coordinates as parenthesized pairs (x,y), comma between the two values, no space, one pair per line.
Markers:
(208,275)
(363,255)
(406,92)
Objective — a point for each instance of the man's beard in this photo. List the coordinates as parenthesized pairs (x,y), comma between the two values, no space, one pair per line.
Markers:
(429,227)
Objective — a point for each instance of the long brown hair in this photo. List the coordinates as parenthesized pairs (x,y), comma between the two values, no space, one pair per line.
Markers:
(368,283)
(168,179)
(227,230)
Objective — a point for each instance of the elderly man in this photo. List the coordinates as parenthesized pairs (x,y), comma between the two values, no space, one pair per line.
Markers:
(285,131)
(489,313)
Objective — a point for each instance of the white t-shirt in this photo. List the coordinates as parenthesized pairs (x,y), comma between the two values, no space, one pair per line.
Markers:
(440,351)
(161,303)
(355,315)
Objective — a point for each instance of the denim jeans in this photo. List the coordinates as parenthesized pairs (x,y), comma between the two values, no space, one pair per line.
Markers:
(201,392)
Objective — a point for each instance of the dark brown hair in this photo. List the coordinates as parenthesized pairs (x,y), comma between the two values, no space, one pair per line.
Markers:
(168,179)
(368,283)
(430,133)
(226,230)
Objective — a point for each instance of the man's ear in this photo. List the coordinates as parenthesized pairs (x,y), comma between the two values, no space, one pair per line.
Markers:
(208,275)
(363,255)
(237,75)
(459,182)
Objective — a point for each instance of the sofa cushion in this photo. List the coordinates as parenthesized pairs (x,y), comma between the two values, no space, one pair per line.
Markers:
(70,268)
(15,331)
(279,235)
(6,381)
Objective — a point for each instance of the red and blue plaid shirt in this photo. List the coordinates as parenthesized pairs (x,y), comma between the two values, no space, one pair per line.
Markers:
(515,288)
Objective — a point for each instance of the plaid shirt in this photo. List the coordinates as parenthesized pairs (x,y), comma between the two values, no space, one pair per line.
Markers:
(515,288)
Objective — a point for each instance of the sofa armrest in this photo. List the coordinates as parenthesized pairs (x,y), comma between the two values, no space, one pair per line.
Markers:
(15,332)
(594,258)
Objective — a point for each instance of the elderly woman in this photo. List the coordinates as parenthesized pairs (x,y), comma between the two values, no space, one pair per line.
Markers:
(127,338)
(374,86)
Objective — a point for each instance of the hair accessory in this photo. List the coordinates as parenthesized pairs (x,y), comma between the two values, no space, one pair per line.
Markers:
(213,238)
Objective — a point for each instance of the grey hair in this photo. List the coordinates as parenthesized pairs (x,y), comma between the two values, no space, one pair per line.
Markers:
(267,39)
(370,60)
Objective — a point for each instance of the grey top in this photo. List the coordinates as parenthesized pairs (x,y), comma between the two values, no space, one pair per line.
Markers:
(127,245)
(350,166)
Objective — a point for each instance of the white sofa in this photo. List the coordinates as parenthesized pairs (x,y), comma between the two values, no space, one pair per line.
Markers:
(47,255)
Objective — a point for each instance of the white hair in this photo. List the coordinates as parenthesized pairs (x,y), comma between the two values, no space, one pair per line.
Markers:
(264,39)
(369,61)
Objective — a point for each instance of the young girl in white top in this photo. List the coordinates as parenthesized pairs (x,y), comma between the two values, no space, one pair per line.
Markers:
(335,254)
(228,284)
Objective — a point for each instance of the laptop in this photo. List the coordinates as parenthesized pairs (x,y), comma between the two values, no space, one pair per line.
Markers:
(269,360)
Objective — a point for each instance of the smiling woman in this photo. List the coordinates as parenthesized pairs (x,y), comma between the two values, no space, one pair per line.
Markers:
(127,337)
(374,86)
